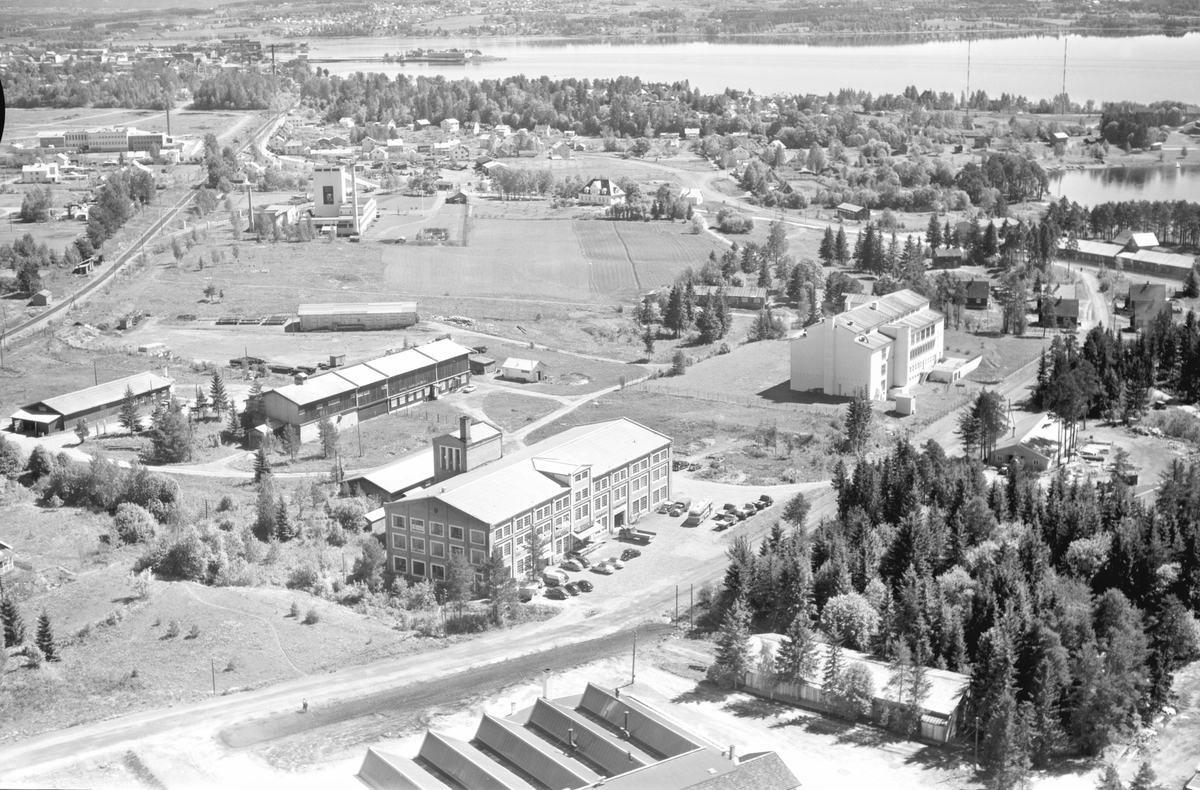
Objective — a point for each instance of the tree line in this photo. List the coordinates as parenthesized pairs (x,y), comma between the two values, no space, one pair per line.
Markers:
(1069,607)
(1171,221)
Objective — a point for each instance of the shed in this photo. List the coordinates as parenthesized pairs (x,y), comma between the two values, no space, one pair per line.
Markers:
(41,299)
(978,293)
(523,369)
(851,211)
(746,297)
(458,198)
(481,364)
(1033,440)
(948,258)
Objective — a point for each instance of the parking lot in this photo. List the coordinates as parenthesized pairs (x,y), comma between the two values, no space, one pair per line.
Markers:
(677,549)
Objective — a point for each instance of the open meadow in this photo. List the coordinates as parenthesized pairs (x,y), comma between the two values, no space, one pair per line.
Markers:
(24,124)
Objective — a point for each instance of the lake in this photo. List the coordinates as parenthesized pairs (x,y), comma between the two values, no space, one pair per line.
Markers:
(1141,68)
(1150,182)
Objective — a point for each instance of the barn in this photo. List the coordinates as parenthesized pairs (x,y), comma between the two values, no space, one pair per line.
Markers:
(96,403)
(851,211)
(362,316)
(745,297)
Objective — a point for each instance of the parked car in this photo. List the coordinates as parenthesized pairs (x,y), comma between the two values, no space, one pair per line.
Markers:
(725,520)
(582,560)
(729,507)
(467,389)
(603,567)
(570,565)
(630,554)
(556,593)
(750,508)
(675,512)
(616,563)
(766,500)
(741,513)
(572,588)
(584,585)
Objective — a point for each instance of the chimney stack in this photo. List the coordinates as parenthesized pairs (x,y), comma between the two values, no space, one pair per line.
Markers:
(732,754)
(464,428)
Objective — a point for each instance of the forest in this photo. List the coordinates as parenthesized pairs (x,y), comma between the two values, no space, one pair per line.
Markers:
(1070,606)
(1172,221)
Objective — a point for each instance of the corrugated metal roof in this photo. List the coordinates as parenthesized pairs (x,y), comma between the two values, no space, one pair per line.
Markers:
(106,394)
(386,771)
(406,361)
(361,375)
(882,309)
(443,350)
(592,742)
(1184,262)
(646,727)
(532,754)
(512,485)
(356,308)
(317,388)
(465,764)
(1090,247)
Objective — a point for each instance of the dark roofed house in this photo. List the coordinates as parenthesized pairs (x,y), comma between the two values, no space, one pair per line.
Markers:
(1065,311)
(948,258)
(598,738)
(1146,292)
(746,297)
(1132,242)
(1145,303)
(978,293)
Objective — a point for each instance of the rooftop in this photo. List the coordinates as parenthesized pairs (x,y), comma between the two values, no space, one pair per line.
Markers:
(513,484)
(409,471)
(882,310)
(104,394)
(400,363)
(361,375)
(315,389)
(523,365)
(443,350)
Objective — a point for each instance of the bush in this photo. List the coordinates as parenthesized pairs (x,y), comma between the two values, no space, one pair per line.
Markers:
(295,610)
(193,632)
(679,363)
(304,577)
(173,629)
(133,523)
(183,557)
(33,655)
(232,664)
(467,623)
(311,617)
(225,504)
(729,221)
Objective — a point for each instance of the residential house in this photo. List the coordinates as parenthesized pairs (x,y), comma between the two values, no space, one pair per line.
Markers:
(566,489)
(459,198)
(338,141)
(745,297)
(601,192)
(295,148)
(1064,311)
(346,122)
(692,196)
(561,150)
(449,125)
(943,708)
(528,370)
(600,738)
(1145,303)
(378,154)
(978,294)
(884,344)
(41,173)
(1034,440)
(948,257)
(421,125)
(94,404)
(368,144)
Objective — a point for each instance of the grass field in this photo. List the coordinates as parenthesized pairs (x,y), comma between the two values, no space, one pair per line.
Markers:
(25,124)
(568,374)
(513,411)
(640,255)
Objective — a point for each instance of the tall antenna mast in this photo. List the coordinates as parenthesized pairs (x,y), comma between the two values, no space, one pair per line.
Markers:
(1064,89)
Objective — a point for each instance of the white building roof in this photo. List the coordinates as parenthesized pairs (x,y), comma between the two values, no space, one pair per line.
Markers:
(403,362)
(105,394)
(397,476)
(361,375)
(523,365)
(443,350)
(513,484)
(317,388)
(357,308)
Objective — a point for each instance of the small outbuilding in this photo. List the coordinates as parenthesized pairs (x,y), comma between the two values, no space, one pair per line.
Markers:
(529,370)
(978,294)
(851,211)
(41,299)
(948,258)
(481,364)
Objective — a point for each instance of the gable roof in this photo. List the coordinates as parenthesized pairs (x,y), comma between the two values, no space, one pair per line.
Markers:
(1147,292)
(443,350)
(978,289)
(317,388)
(104,394)
(400,363)
(523,365)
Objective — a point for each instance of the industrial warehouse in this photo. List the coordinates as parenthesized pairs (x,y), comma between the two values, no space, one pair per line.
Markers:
(600,738)
(62,412)
(359,392)
(363,316)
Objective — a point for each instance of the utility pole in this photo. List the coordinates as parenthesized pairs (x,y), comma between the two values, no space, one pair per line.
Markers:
(359,425)
(213,663)
(691,606)
(95,374)
(633,668)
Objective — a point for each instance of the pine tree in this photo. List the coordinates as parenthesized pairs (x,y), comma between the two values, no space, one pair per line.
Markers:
(262,465)
(329,437)
(128,416)
(284,529)
(291,441)
(45,638)
(235,425)
(1191,286)
(1110,779)
(254,399)
(933,234)
(797,658)
(220,400)
(13,623)
(733,645)
(859,416)
(827,250)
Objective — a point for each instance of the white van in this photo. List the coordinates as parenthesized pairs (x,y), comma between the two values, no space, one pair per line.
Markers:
(699,511)
(553,577)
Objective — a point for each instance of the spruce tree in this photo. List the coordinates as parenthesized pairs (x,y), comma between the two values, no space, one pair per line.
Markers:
(284,529)
(45,638)
(1110,779)
(797,659)
(220,400)
(291,441)
(1191,286)
(949,236)
(13,623)
(733,645)
(814,309)
(254,399)
(827,249)
(674,316)
(201,402)
(262,465)
(933,234)
(235,425)
(841,250)
(128,416)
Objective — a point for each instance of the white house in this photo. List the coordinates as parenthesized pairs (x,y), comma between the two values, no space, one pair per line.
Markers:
(601,192)
(884,344)
(450,125)
(45,173)
(523,369)
(691,195)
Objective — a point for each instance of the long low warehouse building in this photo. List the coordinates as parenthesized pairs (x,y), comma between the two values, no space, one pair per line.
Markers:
(361,317)
(93,404)
(370,389)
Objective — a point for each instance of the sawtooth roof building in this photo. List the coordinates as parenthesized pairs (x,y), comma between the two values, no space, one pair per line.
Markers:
(583,741)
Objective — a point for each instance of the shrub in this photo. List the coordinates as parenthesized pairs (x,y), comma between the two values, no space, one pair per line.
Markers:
(232,664)
(311,617)
(133,523)
(193,632)
(348,513)
(304,577)
(225,504)
(33,655)
(295,610)
(183,557)
(467,623)
(679,363)
(173,629)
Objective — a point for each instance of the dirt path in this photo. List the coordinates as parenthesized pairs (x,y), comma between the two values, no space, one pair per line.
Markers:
(190,587)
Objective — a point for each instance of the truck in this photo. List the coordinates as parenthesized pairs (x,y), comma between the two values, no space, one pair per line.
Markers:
(637,535)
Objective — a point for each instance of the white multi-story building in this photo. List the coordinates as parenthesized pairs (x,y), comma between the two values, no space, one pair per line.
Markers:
(109,139)
(885,343)
(334,200)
